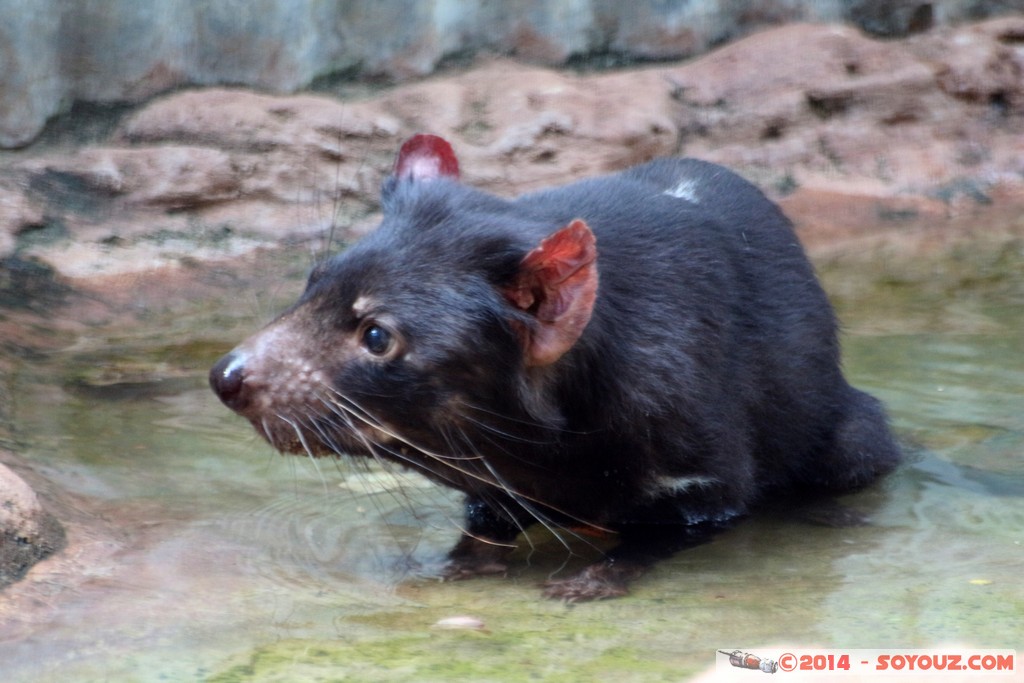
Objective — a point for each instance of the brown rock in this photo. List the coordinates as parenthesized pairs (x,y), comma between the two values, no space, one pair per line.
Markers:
(985,66)
(846,109)
(27,532)
(519,128)
(18,213)
(211,174)
(170,177)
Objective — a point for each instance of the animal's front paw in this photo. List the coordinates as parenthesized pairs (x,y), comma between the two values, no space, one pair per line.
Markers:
(580,589)
(599,581)
(476,556)
(467,568)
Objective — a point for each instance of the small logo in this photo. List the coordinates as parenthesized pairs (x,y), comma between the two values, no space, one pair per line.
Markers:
(746,660)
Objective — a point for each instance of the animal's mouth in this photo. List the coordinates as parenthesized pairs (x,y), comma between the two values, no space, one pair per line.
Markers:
(290,438)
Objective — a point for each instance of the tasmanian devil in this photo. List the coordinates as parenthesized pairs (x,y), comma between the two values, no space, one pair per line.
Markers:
(648,353)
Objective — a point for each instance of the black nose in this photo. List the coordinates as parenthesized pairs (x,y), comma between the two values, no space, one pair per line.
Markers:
(226,380)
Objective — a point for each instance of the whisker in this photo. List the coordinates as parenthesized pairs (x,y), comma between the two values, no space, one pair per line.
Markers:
(400,496)
(555,529)
(466,411)
(375,449)
(354,410)
(508,436)
(444,467)
(526,503)
(300,433)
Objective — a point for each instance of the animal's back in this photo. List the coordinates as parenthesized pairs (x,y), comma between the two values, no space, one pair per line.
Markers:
(710,321)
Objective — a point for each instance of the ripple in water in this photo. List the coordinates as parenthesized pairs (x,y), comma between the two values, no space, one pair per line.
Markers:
(316,538)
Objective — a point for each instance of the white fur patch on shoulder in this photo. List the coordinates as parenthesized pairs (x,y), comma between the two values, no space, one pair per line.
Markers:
(686,189)
(667,486)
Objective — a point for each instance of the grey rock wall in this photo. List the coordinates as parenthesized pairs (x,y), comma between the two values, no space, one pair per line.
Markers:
(57,52)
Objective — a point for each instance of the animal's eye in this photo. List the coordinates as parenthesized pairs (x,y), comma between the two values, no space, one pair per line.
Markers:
(377,340)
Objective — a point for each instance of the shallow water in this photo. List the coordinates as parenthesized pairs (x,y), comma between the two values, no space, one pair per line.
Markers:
(222,561)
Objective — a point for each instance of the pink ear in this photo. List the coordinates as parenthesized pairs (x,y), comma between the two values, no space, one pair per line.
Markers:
(557,283)
(424,157)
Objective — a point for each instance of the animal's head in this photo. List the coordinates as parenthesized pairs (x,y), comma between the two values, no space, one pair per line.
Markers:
(418,343)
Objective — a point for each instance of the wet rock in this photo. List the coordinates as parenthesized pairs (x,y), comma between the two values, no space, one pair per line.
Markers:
(28,533)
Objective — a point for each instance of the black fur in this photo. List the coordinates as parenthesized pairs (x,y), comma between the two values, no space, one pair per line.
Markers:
(707,379)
